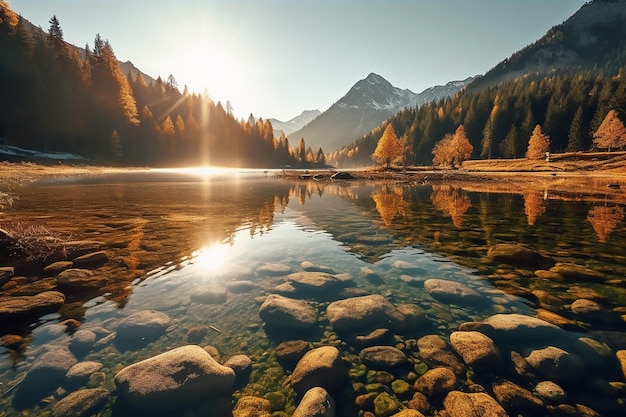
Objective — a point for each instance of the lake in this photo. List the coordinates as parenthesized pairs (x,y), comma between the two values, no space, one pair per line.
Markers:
(517,298)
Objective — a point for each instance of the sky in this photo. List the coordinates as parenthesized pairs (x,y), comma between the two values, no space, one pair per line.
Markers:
(276,58)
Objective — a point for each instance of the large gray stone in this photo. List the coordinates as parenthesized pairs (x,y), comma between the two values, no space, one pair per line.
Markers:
(366,312)
(173,379)
(320,367)
(281,311)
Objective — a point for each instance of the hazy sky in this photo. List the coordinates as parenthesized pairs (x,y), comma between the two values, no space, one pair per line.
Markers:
(276,58)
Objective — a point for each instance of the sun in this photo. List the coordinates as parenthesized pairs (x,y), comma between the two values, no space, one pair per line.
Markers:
(216,69)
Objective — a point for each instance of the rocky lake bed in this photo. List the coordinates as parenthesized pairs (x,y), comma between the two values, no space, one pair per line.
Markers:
(293,316)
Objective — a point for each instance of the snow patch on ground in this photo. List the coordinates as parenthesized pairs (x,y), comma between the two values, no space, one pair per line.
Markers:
(14,151)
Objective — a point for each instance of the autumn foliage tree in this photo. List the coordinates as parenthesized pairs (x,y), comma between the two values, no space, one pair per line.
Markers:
(611,133)
(389,149)
(538,144)
(453,149)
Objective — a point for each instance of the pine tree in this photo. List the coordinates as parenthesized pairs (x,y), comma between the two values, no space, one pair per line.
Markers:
(538,144)
(575,135)
(611,133)
(388,150)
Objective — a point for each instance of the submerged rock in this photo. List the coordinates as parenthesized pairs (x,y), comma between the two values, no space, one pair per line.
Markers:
(79,374)
(516,399)
(575,271)
(557,365)
(82,342)
(434,350)
(320,367)
(242,365)
(516,255)
(551,392)
(76,278)
(366,312)
(6,273)
(249,406)
(45,375)
(316,402)
(174,379)
(453,292)
(314,283)
(240,286)
(81,403)
(460,404)
(57,267)
(383,357)
(210,296)
(44,302)
(281,311)
(477,350)
(92,259)
(292,351)
(436,382)
(142,326)
(516,328)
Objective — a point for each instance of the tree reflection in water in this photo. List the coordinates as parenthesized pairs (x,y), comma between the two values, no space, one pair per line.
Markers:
(534,207)
(390,203)
(604,220)
(451,202)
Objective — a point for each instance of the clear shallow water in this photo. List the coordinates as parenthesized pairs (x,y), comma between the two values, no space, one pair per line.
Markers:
(169,235)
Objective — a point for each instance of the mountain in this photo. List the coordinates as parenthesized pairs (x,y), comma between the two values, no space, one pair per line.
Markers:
(592,38)
(566,82)
(295,123)
(366,105)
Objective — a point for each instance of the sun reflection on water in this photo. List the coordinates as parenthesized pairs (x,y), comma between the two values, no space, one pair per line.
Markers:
(210,258)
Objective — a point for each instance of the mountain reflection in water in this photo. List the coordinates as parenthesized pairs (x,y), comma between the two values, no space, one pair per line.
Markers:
(205,248)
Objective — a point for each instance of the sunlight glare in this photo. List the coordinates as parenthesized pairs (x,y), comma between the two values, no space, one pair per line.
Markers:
(211,258)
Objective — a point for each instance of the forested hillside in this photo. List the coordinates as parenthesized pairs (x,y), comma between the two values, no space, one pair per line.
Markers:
(567,82)
(499,121)
(56,97)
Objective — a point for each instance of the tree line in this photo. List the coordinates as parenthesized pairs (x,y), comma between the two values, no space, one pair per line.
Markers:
(56,97)
(499,121)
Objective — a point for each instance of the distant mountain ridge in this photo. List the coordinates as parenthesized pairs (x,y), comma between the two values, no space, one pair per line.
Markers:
(590,36)
(366,105)
(295,123)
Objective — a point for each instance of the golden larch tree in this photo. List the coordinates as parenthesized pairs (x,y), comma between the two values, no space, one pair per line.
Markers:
(538,144)
(389,150)
(453,149)
(611,133)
